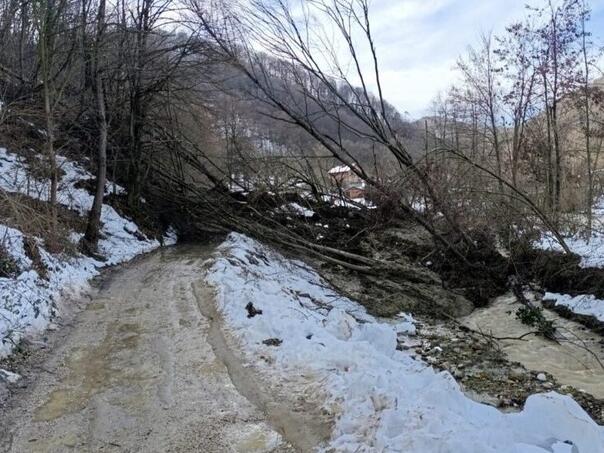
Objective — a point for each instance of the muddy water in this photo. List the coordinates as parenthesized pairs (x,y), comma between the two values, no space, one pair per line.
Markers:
(146,368)
(570,361)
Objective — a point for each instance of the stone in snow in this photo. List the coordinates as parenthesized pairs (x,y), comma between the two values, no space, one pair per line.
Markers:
(9,376)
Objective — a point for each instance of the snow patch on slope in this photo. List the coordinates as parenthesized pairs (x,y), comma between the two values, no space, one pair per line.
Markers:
(28,302)
(583,304)
(297,209)
(384,400)
(591,252)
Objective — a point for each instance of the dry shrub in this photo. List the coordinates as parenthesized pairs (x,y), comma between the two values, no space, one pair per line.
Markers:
(145,217)
(573,198)
(32,217)
(33,253)
(8,266)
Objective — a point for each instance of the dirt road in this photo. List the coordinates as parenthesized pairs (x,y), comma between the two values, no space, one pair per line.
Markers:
(145,368)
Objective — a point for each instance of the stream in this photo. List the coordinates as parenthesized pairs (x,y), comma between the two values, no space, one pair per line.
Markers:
(576,360)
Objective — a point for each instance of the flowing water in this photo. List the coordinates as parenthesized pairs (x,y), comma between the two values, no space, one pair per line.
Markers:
(575,360)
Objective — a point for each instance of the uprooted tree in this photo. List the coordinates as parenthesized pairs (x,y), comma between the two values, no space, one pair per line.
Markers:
(225,117)
(302,79)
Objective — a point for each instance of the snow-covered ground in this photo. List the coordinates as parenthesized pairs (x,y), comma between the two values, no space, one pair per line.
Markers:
(28,302)
(584,304)
(383,399)
(297,210)
(591,252)
(342,201)
(592,255)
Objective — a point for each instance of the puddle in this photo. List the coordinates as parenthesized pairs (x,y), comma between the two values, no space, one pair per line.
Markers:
(140,375)
(93,306)
(256,439)
(569,361)
(90,371)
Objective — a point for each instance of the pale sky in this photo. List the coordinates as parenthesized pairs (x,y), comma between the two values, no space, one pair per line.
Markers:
(419,41)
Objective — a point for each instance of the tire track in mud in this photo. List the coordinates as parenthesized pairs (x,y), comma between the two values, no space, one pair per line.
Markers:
(305,429)
(146,367)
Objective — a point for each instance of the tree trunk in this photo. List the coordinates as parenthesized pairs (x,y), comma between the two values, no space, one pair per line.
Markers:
(558,158)
(548,157)
(52,161)
(590,177)
(91,237)
(46,49)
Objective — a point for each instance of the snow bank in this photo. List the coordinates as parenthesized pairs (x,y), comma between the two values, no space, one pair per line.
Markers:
(28,302)
(297,209)
(342,201)
(384,400)
(583,304)
(591,252)
(339,169)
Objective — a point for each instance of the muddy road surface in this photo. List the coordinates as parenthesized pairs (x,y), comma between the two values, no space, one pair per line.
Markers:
(145,368)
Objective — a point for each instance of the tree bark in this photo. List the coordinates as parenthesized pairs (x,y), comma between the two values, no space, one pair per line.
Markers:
(91,236)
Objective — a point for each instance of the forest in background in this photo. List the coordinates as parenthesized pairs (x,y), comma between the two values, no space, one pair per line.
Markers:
(216,114)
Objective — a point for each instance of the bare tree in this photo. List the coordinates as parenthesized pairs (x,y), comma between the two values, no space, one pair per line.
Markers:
(515,50)
(48,18)
(556,58)
(306,81)
(481,76)
(91,236)
(590,95)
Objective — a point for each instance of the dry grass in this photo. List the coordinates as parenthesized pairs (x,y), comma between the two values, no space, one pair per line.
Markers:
(32,217)
(8,267)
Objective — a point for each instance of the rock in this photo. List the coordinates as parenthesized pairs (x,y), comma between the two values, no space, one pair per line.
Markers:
(542,377)
(252,311)
(506,402)
(272,342)
(3,393)
(458,374)
(9,376)
(517,373)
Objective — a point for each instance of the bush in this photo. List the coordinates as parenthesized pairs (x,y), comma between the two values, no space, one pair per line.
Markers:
(533,316)
(8,266)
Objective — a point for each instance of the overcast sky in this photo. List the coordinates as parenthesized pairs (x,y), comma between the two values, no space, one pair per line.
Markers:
(419,41)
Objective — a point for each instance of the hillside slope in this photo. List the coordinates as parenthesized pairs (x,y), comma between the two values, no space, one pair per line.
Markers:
(32,280)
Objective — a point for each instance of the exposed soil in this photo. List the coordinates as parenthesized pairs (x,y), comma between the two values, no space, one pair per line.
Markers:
(147,219)
(488,372)
(559,273)
(589,321)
